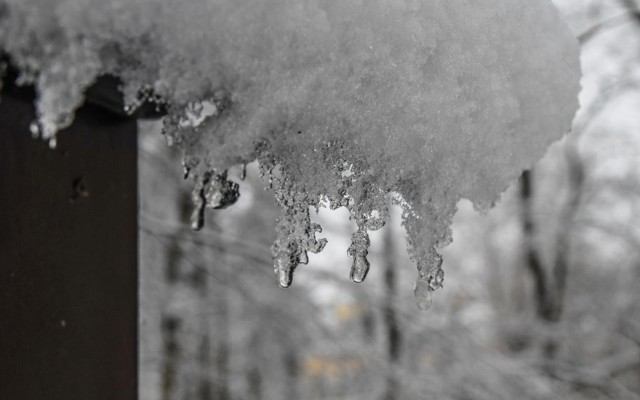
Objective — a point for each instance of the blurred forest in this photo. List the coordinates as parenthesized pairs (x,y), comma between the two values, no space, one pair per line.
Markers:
(541,297)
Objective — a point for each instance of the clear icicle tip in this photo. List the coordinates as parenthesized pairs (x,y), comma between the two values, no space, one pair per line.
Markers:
(359,268)
(359,249)
(197,217)
(199,203)
(284,267)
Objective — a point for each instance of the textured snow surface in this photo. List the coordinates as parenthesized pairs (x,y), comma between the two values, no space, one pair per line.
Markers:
(345,101)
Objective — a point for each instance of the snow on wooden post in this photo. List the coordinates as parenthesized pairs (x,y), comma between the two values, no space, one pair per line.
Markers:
(352,103)
(68,256)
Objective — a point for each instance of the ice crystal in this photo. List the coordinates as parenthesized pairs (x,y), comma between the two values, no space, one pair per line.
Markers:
(212,190)
(340,101)
(358,250)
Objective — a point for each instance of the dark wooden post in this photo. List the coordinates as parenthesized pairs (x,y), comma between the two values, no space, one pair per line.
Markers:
(68,256)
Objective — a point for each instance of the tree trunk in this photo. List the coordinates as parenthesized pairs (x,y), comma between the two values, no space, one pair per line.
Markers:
(550,292)
(542,291)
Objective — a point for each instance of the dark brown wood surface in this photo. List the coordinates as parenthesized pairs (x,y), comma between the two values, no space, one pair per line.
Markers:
(68,257)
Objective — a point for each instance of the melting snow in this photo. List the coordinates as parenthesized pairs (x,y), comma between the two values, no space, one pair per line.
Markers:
(345,101)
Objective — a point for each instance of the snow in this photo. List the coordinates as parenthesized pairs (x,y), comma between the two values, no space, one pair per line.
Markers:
(339,101)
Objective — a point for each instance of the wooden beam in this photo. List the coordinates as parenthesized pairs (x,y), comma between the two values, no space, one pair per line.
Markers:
(68,256)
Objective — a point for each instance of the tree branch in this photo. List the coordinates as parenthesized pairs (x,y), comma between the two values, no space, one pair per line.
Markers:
(533,259)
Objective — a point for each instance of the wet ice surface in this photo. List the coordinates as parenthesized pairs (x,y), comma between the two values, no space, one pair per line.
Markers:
(345,102)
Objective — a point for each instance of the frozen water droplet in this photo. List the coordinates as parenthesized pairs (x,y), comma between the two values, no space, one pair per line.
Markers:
(284,265)
(221,193)
(213,190)
(34,128)
(359,249)
(285,276)
(423,294)
(359,269)
(199,203)
(197,216)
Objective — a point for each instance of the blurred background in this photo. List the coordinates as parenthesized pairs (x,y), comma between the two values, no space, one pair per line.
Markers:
(541,296)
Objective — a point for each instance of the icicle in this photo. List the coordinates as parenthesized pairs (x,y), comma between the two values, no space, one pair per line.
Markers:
(359,249)
(213,190)
(296,236)
(243,174)
(359,269)
(296,232)
(428,281)
(199,202)
(284,263)
(221,193)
